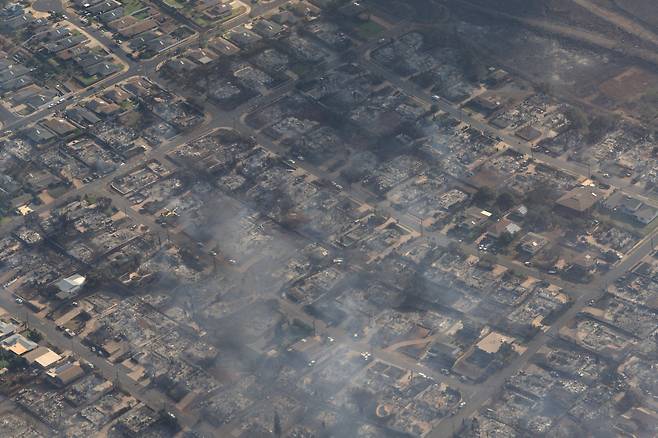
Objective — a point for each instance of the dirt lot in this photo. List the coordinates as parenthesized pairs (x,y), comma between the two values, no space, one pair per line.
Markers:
(541,58)
(643,10)
(630,91)
(629,85)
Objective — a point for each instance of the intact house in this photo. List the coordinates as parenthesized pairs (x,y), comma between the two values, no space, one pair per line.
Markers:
(70,286)
(18,344)
(631,207)
(503,226)
(578,201)
(532,243)
(65,374)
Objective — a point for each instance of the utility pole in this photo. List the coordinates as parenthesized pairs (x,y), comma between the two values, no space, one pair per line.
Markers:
(203,39)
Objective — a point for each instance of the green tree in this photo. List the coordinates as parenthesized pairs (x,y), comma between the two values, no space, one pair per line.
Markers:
(506,349)
(483,196)
(538,218)
(34,336)
(16,363)
(600,126)
(505,238)
(578,118)
(505,201)
(473,67)
(362,398)
(488,260)
(277,425)
(544,87)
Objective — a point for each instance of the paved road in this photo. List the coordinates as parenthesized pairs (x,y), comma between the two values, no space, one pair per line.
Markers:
(118,373)
(145,68)
(582,293)
(579,34)
(576,169)
(343,338)
(475,396)
(113,372)
(629,25)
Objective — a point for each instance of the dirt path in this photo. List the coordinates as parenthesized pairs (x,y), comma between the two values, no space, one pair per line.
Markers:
(627,24)
(593,38)
(588,37)
(408,343)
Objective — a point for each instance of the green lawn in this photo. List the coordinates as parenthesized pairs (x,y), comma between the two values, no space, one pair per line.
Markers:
(650,227)
(87,80)
(300,70)
(369,29)
(57,191)
(237,11)
(131,6)
(201,20)
(126,105)
(143,15)
(632,228)
(175,4)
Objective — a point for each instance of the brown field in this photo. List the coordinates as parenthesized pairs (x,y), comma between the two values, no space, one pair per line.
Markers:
(629,85)
(644,10)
